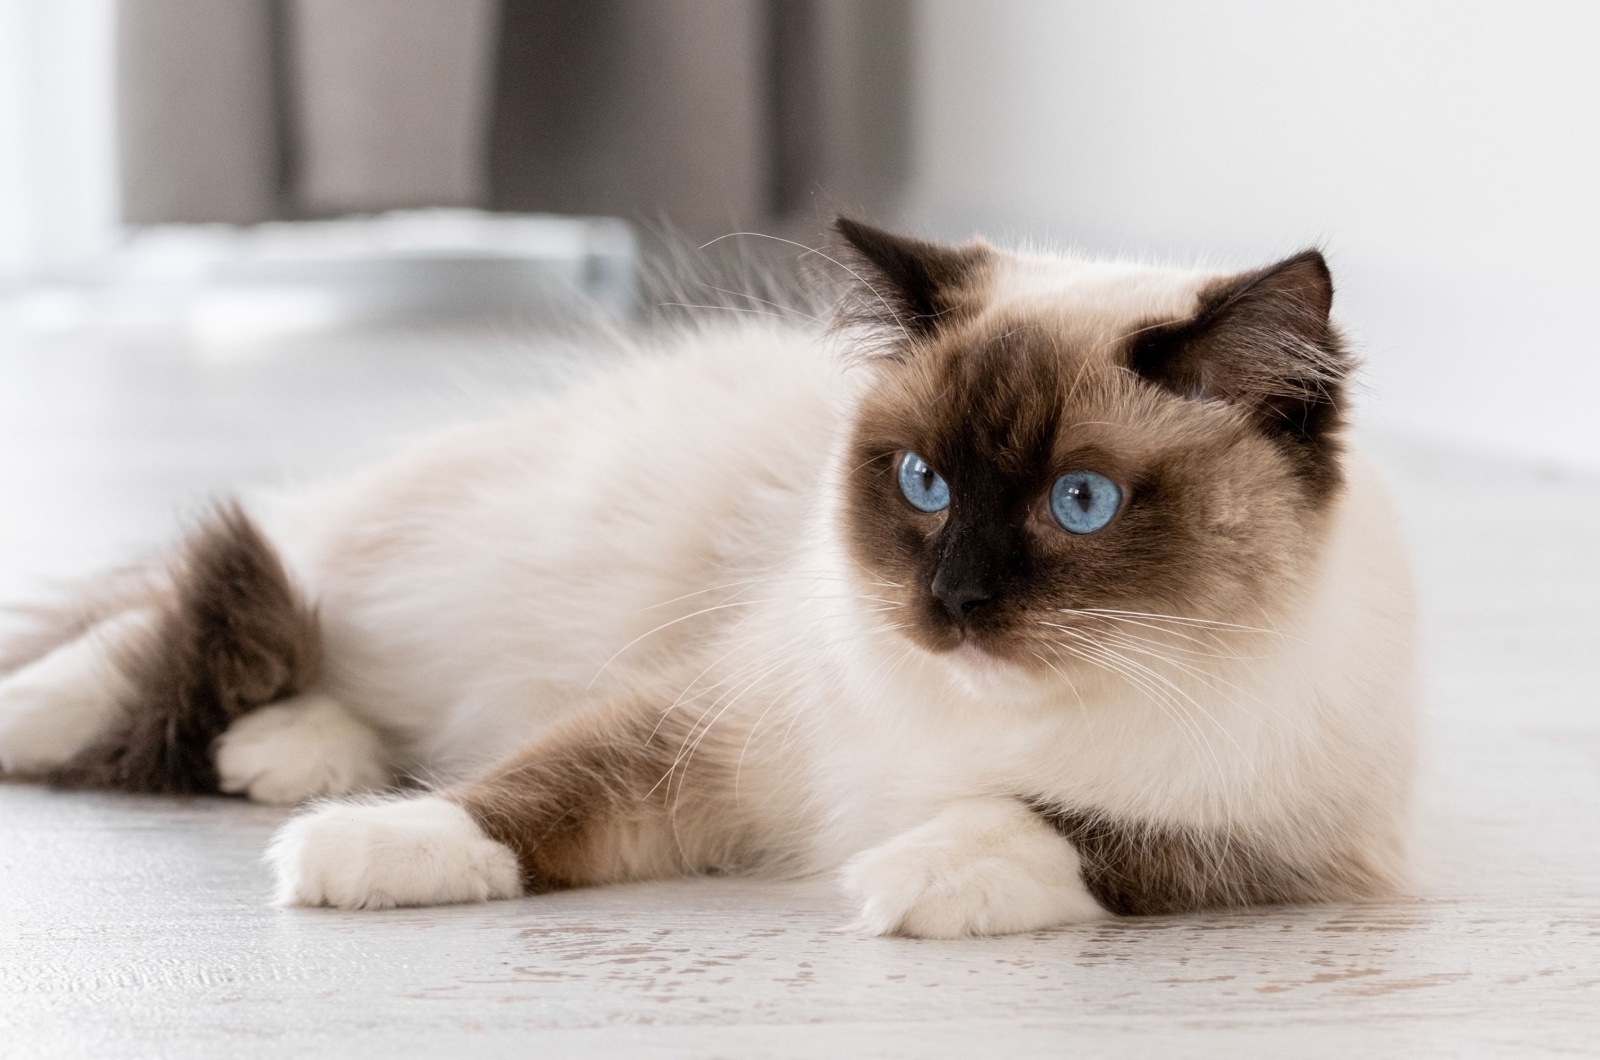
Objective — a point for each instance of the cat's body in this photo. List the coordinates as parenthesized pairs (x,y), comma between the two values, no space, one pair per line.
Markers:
(643,496)
(670,621)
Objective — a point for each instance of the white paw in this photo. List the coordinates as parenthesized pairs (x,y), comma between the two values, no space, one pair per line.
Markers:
(300,748)
(56,706)
(981,867)
(377,855)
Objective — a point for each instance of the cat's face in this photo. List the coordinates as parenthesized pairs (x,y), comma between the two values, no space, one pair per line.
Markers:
(1051,450)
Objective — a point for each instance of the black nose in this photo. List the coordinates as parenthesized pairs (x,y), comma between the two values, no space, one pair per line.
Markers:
(958,599)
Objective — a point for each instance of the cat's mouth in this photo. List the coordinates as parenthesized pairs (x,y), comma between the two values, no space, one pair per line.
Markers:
(961,641)
(990,659)
(971,647)
(979,643)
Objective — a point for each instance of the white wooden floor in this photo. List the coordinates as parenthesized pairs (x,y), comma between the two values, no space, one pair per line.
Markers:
(140,926)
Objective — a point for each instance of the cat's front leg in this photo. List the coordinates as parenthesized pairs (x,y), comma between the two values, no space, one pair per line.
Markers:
(613,797)
(982,866)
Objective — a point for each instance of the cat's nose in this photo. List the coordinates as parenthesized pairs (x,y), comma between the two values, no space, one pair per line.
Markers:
(965,578)
(959,600)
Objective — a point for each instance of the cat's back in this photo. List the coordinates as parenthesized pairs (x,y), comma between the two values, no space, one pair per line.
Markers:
(513,560)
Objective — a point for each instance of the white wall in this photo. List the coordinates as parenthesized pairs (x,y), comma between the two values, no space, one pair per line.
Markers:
(58,198)
(1446,155)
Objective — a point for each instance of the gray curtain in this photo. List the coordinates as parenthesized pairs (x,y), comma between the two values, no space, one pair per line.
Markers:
(708,115)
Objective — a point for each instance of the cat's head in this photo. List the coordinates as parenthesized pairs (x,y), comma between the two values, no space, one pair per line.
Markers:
(1050,449)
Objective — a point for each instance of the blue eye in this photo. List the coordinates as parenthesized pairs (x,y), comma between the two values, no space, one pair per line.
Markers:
(1084,501)
(922,485)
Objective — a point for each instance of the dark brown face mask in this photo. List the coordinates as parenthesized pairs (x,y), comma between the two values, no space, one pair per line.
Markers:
(1182,469)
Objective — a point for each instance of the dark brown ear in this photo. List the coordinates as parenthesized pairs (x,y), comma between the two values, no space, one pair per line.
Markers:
(1261,340)
(908,285)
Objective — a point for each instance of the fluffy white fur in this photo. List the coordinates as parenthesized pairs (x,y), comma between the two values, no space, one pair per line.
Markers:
(385,853)
(300,748)
(987,866)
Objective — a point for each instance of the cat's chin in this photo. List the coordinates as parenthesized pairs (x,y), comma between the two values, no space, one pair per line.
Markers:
(985,675)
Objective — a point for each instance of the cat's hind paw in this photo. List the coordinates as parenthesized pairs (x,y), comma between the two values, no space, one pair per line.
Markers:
(396,852)
(298,749)
(981,867)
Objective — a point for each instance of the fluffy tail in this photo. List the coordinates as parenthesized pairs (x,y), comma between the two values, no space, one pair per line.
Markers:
(218,633)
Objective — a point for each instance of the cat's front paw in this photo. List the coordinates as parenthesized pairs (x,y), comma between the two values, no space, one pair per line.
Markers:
(378,855)
(981,867)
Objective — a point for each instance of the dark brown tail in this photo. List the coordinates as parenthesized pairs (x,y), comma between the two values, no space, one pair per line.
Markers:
(229,634)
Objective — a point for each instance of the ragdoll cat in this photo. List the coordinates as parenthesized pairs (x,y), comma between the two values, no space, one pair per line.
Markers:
(1037,591)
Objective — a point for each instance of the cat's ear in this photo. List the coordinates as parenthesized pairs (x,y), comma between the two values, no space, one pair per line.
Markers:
(1262,340)
(905,286)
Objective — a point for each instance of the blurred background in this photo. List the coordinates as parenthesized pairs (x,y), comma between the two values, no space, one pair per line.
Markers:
(217,171)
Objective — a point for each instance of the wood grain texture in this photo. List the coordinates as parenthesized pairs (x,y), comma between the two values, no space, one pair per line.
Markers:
(139,926)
